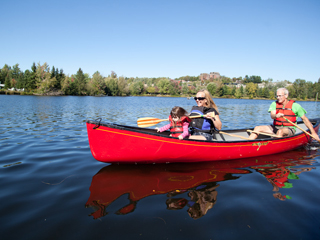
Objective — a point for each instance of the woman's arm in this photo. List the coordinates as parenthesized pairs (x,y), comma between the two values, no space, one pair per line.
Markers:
(216,121)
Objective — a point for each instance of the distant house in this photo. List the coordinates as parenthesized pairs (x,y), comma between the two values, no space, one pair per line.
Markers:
(1,85)
(211,75)
(263,85)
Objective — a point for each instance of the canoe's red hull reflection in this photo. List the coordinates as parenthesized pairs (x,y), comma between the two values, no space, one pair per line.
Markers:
(199,181)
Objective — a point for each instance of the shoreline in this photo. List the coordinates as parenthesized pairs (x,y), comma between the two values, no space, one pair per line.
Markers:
(59,93)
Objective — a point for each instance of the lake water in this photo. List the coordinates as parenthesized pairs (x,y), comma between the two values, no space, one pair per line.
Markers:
(52,187)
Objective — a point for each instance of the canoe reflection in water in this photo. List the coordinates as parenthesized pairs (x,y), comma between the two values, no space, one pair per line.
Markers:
(188,186)
(202,199)
(141,181)
(283,174)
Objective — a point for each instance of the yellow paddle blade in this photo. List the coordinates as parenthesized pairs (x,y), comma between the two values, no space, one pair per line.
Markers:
(149,121)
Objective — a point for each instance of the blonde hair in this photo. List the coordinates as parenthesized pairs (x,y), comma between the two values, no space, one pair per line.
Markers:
(210,103)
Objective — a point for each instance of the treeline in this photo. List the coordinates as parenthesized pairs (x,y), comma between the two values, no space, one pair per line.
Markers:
(40,79)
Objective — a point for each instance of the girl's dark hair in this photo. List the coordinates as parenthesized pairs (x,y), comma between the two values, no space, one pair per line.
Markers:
(178,111)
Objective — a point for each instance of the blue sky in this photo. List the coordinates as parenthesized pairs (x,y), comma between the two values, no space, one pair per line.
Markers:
(165,38)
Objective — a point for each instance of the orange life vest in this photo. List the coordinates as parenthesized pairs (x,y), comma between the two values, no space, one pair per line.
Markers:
(177,129)
(288,113)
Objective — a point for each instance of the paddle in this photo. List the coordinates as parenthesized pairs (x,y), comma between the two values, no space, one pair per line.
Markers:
(149,121)
(299,128)
(267,134)
(234,135)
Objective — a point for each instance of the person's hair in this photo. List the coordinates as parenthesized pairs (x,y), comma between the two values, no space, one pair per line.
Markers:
(285,91)
(177,112)
(210,103)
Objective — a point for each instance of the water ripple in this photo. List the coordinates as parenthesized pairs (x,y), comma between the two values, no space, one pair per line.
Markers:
(47,175)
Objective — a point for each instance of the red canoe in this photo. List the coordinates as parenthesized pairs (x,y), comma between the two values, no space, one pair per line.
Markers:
(112,143)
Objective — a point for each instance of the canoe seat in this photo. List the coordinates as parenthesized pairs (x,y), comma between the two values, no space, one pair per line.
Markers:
(224,137)
(304,127)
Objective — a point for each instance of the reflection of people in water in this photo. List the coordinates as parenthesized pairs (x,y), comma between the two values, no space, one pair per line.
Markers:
(279,175)
(202,198)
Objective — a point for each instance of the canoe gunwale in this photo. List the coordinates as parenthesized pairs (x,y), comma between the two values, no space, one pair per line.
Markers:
(151,131)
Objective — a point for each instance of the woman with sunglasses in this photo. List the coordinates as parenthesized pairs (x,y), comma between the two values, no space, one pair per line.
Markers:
(203,128)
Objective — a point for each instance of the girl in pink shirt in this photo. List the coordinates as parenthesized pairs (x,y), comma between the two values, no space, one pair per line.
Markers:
(179,123)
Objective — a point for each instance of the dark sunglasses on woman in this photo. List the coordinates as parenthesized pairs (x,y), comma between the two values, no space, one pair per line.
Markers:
(199,98)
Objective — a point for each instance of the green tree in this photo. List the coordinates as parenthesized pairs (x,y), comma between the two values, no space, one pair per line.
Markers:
(259,92)
(53,72)
(113,74)
(6,76)
(301,88)
(27,77)
(32,82)
(80,82)
(68,86)
(163,86)
(252,79)
(241,90)
(151,90)
(43,78)
(173,89)
(292,92)
(266,93)
(221,91)
(317,89)
(212,88)
(16,80)
(8,80)
(59,76)
(123,86)
(251,89)
(136,88)
(185,89)
(2,79)
(272,95)
(21,82)
(226,90)
(112,88)
(233,91)
(96,85)
(238,93)
(310,90)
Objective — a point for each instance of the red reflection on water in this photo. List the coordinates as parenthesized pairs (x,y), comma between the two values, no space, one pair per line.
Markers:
(195,183)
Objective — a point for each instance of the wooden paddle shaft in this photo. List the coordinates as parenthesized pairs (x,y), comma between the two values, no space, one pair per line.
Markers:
(299,128)
(234,135)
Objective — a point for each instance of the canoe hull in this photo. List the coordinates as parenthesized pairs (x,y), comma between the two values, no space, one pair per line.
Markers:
(113,143)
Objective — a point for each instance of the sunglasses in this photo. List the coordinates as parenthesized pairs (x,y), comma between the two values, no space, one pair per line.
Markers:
(199,98)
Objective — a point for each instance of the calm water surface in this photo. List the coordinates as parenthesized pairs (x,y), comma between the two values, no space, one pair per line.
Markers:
(52,187)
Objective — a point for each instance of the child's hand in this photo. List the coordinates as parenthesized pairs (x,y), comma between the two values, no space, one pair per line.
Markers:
(180,137)
(157,129)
